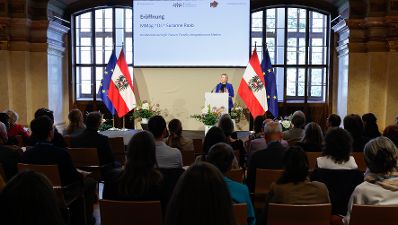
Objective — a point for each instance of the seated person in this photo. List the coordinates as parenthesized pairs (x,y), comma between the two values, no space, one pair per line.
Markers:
(313,138)
(166,156)
(381,180)
(76,124)
(57,139)
(354,125)
(15,129)
(333,121)
(176,140)
(269,158)
(392,133)
(9,156)
(295,134)
(370,127)
(221,155)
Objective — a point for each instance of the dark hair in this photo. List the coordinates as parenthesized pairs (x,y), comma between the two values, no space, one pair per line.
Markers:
(226,124)
(29,198)
(298,119)
(41,127)
(93,120)
(295,166)
(353,124)
(140,173)
(75,117)
(392,133)
(269,115)
(313,135)
(381,155)
(213,136)
(156,125)
(175,129)
(221,155)
(334,120)
(44,112)
(338,145)
(200,197)
(4,118)
(258,124)
(371,129)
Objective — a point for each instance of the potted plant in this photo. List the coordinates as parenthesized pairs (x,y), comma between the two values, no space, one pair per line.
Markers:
(209,116)
(236,113)
(144,111)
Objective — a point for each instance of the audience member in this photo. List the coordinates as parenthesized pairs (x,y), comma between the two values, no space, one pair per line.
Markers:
(5,119)
(226,124)
(15,129)
(269,158)
(90,138)
(371,130)
(295,134)
(353,124)
(9,157)
(313,138)
(201,197)
(29,199)
(176,140)
(221,155)
(256,141)
(333,121)
(166,156)
(392,133)
(139,180)
(381,180)
(76,124)
(57,139)
(338,169)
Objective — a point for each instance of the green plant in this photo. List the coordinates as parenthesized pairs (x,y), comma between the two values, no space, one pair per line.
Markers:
(236,113)
(209,117)
(145,110)
(106,125)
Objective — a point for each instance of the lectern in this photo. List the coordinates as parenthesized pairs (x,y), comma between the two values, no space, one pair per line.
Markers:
(217,100)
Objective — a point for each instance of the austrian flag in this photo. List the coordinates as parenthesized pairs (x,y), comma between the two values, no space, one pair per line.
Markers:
(252,87)
(121,93)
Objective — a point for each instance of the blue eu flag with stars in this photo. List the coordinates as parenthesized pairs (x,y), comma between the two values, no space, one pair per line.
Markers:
(105,82)
(270,82)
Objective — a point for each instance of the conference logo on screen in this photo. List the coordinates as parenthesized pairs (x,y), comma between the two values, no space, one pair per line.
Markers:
(213,4)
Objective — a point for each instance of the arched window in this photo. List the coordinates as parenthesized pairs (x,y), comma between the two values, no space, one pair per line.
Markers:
(298,43)
(96,32)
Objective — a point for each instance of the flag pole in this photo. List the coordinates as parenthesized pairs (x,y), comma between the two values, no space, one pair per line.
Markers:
(124,126)
(113,121)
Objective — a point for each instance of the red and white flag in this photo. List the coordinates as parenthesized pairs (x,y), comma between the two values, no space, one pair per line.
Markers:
(121,93)
(252,87)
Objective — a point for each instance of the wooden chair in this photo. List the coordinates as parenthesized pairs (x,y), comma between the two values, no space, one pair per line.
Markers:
(197,146)
(312,156)
(67,139)
(188,157)
(236,175)
(86,159)
(240,211)
(130,213)
(264,179)
(286,214)
(118,149)
(360,160)
(374,214)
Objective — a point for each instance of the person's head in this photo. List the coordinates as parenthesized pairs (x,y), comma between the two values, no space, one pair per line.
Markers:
(258,124)
(338,145)
(213,136)
(75,116)
(93,120)
(295,166)
(381,155)
(44,112)
(313,134)
(353,124)
(272,131)
(396,120)
(157,126)
(29,199)
(175,127)
(200,197)
(333,120)
(42,128)
(224,78)
(298,119)
(12,115)
(3,134)
(269,115)
(221,155)
(392,133)
(5,119)
(371,129)
(226,124)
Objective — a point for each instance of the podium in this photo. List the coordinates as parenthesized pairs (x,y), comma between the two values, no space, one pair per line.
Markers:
(217,100)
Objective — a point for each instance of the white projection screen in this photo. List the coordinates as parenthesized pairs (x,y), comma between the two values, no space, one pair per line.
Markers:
(191,33)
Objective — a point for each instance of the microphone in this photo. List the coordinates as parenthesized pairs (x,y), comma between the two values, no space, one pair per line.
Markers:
(214,89)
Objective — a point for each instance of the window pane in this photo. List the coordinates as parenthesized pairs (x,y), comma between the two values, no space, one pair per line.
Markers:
(301,82)
(291,83)
(83,83)
(257,21)
(99,72)
(280,81)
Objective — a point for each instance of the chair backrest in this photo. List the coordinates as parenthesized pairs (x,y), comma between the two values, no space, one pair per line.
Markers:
(240,211)
(84,157)
(188,157)
(118,149)
(286,214)
(360,160)
(312,156)
(197,145)
(236,175)
(130,213)
(50,171)
(374,214)
(264,179)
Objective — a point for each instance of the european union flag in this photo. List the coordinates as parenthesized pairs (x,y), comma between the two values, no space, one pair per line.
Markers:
(270,82)
(106,80)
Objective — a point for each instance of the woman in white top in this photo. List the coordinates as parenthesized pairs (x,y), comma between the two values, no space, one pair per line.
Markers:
(381,180)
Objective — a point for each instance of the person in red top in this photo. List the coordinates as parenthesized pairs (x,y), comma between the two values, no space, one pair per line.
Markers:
(15,129)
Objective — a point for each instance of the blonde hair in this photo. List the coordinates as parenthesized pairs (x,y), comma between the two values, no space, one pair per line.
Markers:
(12,115)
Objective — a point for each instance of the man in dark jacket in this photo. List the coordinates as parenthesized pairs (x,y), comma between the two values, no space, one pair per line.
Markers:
(269,158)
